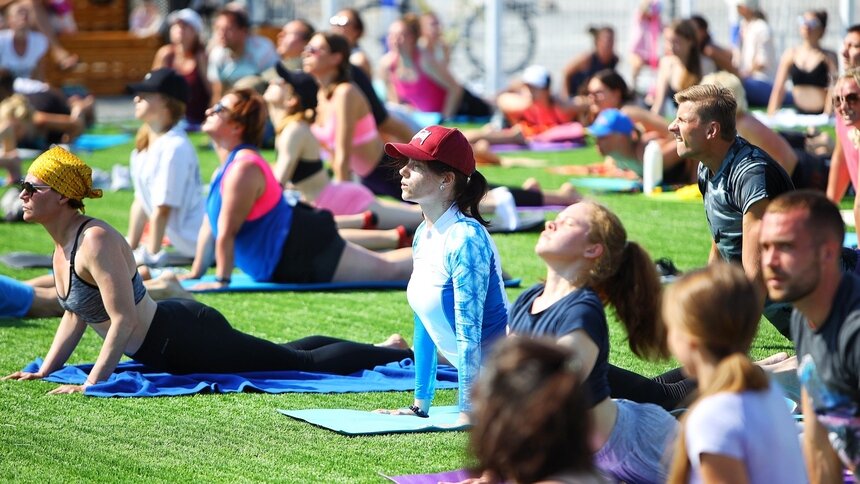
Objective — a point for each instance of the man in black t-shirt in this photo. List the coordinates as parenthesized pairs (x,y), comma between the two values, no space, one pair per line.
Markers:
(737,180)
(801,246)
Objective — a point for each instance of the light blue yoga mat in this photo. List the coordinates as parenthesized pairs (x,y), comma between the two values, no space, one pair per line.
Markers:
(850,239)
(604,184)
(243,283)
(93,142)
(358,422)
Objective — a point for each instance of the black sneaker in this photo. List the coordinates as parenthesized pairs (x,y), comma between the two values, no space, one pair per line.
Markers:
(666,270)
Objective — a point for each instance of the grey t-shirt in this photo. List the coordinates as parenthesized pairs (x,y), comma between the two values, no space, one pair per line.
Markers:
(748,174)
(829,367)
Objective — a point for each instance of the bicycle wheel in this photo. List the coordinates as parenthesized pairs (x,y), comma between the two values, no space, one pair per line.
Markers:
(518,39)
(377,15)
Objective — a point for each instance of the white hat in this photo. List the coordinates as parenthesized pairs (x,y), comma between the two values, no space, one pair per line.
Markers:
(188,16)
(536,76)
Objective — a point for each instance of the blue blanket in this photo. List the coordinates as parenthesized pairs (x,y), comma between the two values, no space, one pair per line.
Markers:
(357,422)
(243,283)
(132,379)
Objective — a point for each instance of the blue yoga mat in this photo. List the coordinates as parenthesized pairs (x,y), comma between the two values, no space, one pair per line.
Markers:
(243,283)
(605,184)
(357,422)
(93,142)
(850,239)
(132,379)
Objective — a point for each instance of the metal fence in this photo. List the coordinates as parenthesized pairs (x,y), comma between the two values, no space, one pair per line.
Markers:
(547,32)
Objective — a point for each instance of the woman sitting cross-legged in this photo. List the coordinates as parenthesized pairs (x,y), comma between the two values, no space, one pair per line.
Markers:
(260,231)
(98,286)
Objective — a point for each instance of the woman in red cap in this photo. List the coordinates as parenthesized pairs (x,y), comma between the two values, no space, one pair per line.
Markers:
(456,290)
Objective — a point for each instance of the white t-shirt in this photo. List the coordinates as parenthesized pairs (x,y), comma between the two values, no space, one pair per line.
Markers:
(22,65)
(757,49)
(755,427)
(168,173)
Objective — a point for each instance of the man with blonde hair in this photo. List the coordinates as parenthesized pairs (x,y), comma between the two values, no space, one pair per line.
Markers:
(736,178)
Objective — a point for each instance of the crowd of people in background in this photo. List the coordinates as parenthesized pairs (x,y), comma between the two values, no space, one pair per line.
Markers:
(534,376)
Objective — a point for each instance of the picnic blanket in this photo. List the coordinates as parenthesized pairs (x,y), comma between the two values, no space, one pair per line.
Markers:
(359,422)
(29,260)
(244,283)
(132,379)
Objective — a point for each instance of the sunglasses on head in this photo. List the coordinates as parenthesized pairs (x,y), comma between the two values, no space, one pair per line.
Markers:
(339,20)
(30,188)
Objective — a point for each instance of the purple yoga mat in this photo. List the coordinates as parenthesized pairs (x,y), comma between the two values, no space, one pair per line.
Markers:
(450,476)
(538,146)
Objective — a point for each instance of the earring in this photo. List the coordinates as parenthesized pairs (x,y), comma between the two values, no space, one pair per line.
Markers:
(441,187)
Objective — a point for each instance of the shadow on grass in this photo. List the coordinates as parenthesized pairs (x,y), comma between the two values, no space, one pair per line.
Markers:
(17,323)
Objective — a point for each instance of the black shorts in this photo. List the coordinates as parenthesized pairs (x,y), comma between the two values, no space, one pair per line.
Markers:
(313,247)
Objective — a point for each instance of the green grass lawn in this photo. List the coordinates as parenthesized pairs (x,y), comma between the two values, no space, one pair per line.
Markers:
(241,436)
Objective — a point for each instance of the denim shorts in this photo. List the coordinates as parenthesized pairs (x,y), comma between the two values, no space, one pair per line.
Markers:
(640,445)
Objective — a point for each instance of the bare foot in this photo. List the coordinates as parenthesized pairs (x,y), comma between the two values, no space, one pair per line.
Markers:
(531,184)
(167,286)
(394,341)
(773,359)
(65,60)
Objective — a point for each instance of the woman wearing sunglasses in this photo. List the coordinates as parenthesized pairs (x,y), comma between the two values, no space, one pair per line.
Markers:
(810,68)
(98,286)
(344,124)
(846,152)
(260,231)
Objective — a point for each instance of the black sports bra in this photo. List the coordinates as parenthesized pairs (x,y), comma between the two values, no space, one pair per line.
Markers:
(306,169)
(818,76)
(83,298)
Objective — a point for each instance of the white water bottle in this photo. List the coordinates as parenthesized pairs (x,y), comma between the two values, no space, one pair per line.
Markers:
(652,167)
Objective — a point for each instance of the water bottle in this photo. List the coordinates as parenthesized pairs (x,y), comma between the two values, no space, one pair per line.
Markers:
(652,167)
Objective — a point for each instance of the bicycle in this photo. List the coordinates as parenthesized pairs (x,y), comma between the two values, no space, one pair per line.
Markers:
(518,44)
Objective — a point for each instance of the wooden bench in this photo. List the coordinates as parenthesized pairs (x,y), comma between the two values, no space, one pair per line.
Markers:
(108,61)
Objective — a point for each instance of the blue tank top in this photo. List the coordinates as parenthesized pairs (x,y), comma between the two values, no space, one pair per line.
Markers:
(259,242)
(83,298)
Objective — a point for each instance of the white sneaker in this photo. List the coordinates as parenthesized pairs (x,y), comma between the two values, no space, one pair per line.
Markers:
(506,209)
(142,257)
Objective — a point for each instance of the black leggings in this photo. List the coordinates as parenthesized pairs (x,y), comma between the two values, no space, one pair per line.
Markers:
(189,337)
(669,390)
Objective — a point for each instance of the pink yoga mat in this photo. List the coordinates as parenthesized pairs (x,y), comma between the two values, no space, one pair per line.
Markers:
(450,476)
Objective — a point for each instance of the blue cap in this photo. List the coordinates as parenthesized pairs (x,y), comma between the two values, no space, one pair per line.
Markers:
(611,121)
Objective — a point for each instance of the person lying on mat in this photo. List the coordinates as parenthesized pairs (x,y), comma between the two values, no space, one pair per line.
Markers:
(98,286)
(531,110)
(531,416)
(739,429)
(623,149)
(256,228)
(165,172)
(456,289)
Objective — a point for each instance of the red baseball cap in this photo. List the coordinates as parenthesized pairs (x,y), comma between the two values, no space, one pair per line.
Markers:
(447,145)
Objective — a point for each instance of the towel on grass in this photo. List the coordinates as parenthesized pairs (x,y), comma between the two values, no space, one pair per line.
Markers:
(132,379)
(360,422)
(244,283)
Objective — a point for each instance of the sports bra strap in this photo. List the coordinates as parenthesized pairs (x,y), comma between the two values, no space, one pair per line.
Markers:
(77,237)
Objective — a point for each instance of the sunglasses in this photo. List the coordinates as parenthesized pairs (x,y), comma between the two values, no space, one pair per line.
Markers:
(810,23)
(849,99)
(339,21)
(31,189)
(313,50)
(218,108)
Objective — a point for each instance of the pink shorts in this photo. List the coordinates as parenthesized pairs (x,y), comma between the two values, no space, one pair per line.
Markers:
(345,198)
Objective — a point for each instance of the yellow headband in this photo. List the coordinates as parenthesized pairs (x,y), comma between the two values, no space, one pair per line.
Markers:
(65,173)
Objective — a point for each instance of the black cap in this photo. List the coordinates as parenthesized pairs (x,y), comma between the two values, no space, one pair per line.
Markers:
(163,81)
(303,84)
